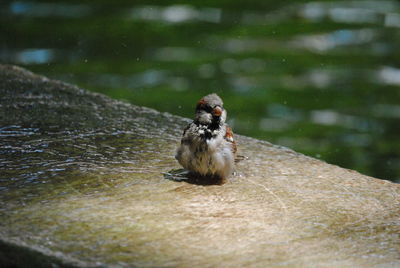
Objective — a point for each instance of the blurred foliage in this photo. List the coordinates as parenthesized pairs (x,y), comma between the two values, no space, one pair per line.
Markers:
(302,74)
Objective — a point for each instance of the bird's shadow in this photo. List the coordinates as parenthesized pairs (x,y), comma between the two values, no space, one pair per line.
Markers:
(182,175)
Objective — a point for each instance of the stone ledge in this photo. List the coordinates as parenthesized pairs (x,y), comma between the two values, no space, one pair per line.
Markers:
(82,184)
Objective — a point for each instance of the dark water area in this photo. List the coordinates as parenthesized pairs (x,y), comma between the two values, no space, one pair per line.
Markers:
(320,77)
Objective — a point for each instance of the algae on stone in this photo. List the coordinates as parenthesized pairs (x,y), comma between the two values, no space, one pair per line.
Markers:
(82,184)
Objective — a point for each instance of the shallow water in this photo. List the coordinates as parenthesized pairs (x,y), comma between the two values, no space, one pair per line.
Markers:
(321,77)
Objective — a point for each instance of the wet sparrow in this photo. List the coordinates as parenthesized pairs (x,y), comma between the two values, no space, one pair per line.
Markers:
(207,147)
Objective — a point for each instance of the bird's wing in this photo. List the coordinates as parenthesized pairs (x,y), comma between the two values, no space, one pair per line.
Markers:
(229,137)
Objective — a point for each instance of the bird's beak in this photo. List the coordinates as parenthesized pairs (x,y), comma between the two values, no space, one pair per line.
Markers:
(217,111)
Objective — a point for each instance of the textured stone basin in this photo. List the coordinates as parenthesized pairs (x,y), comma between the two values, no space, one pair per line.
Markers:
(82,183)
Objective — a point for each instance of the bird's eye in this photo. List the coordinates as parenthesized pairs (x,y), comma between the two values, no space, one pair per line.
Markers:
(207,108)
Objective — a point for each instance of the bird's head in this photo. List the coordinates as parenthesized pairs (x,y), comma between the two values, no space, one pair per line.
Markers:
(210,111)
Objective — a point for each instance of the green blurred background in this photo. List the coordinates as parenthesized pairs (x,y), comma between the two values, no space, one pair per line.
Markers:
(320,77)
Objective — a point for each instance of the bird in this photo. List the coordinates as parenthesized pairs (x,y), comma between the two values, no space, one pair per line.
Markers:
(207,146)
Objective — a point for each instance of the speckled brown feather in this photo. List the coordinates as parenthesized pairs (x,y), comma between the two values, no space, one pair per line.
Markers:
(229,137)
(200,103)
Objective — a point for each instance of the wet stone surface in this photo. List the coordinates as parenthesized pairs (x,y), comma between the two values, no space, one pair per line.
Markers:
(82,183)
